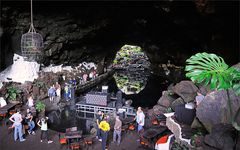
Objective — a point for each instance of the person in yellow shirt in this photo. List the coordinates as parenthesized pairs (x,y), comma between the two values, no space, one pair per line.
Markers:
(105,128)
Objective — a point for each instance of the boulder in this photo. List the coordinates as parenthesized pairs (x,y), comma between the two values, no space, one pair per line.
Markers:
(150,113)
(221,137)
(176,102)
(186,89)
(214,109)
(166,99)
(238,141)
(158,109)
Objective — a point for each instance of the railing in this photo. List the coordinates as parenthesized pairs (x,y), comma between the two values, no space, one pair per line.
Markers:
(93,82)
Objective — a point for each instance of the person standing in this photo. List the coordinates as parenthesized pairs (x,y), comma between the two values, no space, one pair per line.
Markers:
(52,93)
(105,128)
(66,92)
(199,98)
(140,118)
(117,130)
(58,90)
(44,129)
(17,123)
(99,117)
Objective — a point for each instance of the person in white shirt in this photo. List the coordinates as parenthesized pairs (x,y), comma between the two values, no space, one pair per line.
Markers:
(44,129)
(140,118)
(2,102)
(30,102)
(17,123)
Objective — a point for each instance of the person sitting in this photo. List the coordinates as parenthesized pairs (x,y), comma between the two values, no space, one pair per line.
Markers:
(30,122)
(2,102)
(30,102)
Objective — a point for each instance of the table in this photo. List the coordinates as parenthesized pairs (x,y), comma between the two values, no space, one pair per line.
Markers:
(9,106)
(128,120)
(73,135)
(152,133)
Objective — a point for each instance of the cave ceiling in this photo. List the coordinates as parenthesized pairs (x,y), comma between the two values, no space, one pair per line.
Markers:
(76,31)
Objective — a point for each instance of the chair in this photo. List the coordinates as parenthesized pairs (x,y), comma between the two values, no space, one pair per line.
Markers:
(131,127)
(144,142)
(3,115)
(75,145)
(11,112)
(62,139)
(155,122)
(72,129)
(124,128)
(88,141)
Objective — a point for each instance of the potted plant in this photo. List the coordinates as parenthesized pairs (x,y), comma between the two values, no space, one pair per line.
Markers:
(12,93)
(40,107)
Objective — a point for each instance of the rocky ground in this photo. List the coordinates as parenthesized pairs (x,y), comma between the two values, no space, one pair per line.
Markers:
(129,141)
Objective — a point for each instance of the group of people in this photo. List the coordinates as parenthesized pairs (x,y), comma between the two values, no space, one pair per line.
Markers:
(86,77)
(54,91)
(18,122)
(103,127)
(69,89)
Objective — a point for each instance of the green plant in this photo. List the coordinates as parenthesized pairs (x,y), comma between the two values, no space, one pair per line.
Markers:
(169,110)
(177,146)
(40,84)
(12,93)
(195,137)
(40,106)
(211,69)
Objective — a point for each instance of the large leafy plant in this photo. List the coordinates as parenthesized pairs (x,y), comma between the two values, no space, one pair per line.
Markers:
(212,70)
(12,93)
(40,106)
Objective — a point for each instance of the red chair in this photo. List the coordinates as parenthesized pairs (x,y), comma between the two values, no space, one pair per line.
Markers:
(154,122)
(62,139)
(144,142)
(4,117)
(88,141)
(75,145)
(11,112)
(131,127)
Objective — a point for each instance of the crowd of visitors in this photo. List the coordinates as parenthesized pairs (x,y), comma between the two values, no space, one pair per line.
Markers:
(103,127)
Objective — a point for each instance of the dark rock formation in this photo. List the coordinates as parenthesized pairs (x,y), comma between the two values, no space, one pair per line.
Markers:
(158,109)
(221,137)
(187,90)
(92,31)
(176,102)
(214,109)
(166,99)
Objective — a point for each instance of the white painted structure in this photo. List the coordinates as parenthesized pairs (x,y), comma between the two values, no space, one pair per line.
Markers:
(20,71)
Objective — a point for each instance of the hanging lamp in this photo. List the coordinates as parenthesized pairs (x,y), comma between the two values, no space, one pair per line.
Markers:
(32,43)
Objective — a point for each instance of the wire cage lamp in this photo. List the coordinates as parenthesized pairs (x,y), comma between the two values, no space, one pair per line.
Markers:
(32,43)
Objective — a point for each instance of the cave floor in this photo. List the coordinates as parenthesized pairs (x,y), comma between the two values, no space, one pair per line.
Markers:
(129,142)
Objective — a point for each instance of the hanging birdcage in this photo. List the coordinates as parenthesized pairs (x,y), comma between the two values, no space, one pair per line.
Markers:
(32,43)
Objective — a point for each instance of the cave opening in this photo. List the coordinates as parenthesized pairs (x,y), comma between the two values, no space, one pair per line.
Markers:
(132,69)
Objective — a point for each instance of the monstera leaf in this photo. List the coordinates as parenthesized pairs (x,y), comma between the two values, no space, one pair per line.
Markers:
(212,69)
